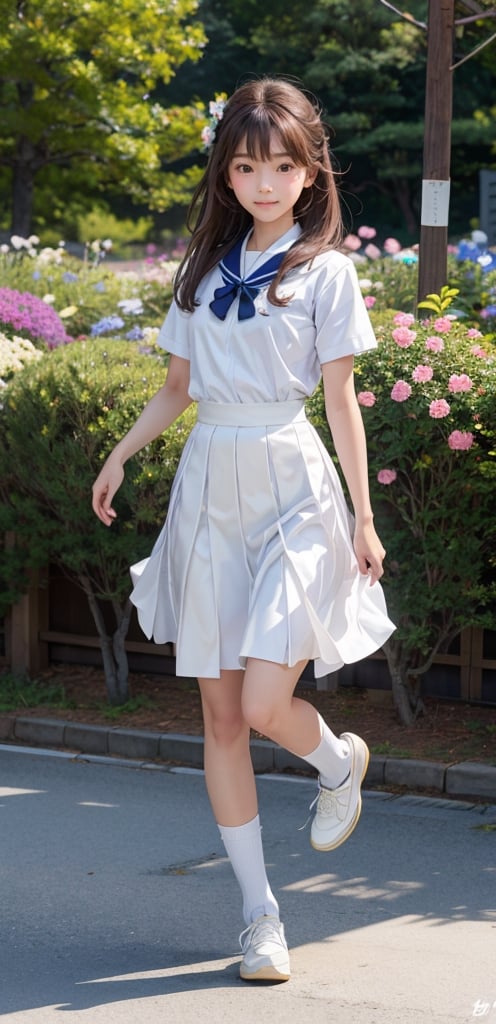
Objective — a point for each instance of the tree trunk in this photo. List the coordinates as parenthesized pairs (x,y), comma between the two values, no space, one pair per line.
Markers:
(114,656)
(404,699)
(23,188)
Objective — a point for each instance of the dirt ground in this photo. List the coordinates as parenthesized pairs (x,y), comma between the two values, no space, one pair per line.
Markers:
(449,731)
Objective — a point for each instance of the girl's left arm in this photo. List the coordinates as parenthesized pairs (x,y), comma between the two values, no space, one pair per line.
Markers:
(348,434)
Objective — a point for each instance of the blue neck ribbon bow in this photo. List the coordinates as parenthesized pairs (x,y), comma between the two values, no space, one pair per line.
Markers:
(248,287)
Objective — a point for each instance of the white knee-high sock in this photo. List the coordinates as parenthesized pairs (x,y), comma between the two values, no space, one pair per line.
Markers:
(243,845)
(332,758)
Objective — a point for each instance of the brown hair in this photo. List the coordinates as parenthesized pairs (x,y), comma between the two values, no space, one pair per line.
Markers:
(255,111)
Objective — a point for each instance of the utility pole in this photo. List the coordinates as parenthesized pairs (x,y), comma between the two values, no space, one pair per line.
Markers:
(433,265)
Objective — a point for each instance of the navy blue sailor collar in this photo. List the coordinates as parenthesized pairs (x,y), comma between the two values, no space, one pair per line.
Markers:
(247,286)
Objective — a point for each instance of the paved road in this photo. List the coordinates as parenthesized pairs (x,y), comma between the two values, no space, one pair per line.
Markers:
(118,905)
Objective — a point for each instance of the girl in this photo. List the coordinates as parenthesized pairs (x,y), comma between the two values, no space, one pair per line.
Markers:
(259,567)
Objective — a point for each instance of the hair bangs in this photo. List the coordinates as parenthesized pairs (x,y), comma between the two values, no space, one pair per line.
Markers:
(266,131)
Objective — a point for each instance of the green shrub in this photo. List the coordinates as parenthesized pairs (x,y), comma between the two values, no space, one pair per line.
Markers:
(60,419)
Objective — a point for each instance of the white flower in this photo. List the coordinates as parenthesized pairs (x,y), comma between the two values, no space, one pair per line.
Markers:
(4,249)
(49,299)
(365,283)
(33,240)
(479,237)
(18,242)
(131,307)
(107,244)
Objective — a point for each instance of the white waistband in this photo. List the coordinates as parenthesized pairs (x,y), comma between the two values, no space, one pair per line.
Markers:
(251,414)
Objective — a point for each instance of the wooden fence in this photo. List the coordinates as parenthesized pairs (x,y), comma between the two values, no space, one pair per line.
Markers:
(52,623)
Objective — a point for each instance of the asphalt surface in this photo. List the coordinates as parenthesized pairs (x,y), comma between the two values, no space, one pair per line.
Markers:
(118,904)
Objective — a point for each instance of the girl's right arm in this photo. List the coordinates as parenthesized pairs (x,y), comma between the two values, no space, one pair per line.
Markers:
(166,405)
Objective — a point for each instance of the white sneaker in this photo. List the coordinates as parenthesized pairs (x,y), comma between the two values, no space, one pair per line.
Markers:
(338,810)
(265,953)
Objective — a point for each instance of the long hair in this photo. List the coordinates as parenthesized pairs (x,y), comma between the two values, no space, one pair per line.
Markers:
(255,112)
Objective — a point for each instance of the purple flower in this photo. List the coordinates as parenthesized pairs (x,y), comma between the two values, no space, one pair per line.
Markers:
(135,334)
(69,277)
(31,317)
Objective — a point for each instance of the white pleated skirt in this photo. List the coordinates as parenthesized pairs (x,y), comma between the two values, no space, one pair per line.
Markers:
(256,558)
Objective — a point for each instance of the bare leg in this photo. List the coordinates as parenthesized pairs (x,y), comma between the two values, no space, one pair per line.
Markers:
(231,788)
(228,767)
(269,705)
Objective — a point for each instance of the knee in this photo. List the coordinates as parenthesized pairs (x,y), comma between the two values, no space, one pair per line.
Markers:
(261,715)
(225,727)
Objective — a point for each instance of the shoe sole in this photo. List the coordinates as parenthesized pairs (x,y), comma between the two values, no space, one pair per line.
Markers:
(264,974)
(342,839)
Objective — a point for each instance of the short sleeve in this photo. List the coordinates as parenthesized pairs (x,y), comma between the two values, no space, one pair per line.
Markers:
(341,318)
(174,332)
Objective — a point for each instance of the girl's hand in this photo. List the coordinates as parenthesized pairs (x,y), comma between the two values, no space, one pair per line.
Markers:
(106,484)
(369,551)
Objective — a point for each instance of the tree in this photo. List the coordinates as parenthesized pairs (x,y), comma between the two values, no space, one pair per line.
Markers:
(77,90)
(60,418)
(366,64)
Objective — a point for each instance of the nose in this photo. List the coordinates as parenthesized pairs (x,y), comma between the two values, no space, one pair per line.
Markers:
(265,187)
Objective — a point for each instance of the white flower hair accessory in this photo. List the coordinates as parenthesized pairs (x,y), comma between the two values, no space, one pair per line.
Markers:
(216,111)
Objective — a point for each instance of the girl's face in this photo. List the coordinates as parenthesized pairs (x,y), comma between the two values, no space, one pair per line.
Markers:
(268,189)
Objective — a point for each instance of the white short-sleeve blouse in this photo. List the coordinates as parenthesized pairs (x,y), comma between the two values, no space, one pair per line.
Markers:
(277,355)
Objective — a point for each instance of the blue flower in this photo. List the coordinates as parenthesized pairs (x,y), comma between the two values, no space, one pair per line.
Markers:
(135,334)
(69,277)
(36,275)
(99,286)
(106,325)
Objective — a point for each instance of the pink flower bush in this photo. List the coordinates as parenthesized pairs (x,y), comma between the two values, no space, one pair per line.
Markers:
(474,333)
(387,476)
(481,353)
(370,300)
(459,382)
(460,440)
(366,398)
(421,374)
(443,324)
(403,336)
(401,391)
(434,344)
(366,232)
(439,408)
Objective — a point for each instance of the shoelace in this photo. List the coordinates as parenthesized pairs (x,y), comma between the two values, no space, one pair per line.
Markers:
(326,793)
(268,928)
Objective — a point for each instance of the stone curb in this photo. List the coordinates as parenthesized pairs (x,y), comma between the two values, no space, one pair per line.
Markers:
(465,779)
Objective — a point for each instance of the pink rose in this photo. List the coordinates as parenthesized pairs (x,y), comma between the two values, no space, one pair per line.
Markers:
(474,333)
(404,319)
(352,242)
(386,476)
(366,232)
(392,246)
(366,398)
(370,300)
(434,344)
(460,440)
(476,350)
(459,382)
(403,336)
(372,251)
(401,391)
(438,409)
(443,324)
(422,373)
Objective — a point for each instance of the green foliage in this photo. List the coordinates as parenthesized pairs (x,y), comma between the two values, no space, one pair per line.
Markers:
(439,303)
(22,692)
(78,89)
(432,473)
(99,222)
(59,421)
